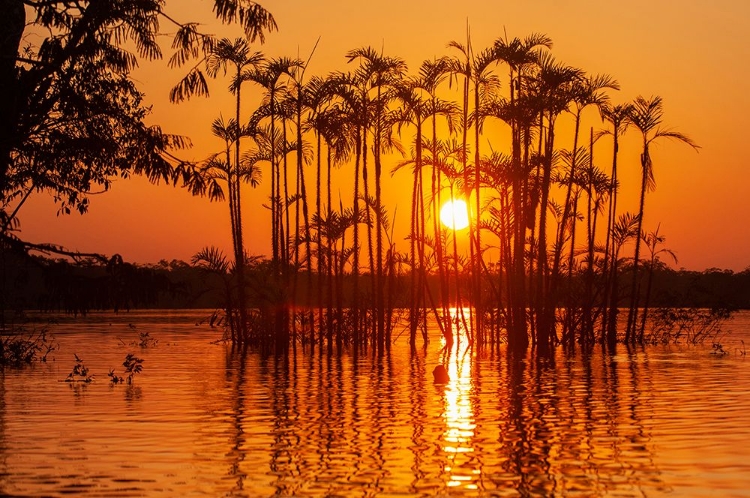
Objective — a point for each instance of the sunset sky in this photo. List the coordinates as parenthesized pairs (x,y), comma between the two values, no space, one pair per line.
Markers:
(693,54)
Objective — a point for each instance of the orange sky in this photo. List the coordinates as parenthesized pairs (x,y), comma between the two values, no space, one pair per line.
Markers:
(692,54)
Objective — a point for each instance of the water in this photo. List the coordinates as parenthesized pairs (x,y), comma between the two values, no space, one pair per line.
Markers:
(203,421)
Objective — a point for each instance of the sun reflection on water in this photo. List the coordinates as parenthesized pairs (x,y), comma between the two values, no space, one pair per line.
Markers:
(459,413)
(211,420)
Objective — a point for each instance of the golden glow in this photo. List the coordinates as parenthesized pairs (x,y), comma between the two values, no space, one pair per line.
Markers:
(459,413)
(705,234)
(454,214)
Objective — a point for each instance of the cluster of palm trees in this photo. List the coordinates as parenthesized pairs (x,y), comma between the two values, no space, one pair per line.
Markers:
(337,260)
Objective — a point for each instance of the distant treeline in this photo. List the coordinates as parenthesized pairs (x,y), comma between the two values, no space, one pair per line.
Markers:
(61,286)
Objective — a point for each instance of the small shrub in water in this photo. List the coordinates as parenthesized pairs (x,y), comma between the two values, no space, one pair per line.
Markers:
(145,340)
(133,365)
(80,372)
(20,348)
(114,378)
(718,349)
(691,325)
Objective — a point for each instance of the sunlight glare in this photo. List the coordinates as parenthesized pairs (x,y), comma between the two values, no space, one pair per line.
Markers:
(454,214)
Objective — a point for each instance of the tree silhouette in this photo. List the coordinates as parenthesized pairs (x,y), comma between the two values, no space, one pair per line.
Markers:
(617,115)
(72,116)
(646,115)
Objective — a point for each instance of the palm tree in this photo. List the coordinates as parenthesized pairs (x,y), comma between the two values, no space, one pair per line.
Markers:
(237,56)
(485,83)
(553,85)
(520,56)
(299,99)
(415,110)
(209,175)
(618,116)
(332,126)
(269,77)
(497,172)
(449,156)
(354,116)
(596,185)
(431,75)
(378,72)
(586,91)
(646,115)
(317,98)
(225,56)
(623,230)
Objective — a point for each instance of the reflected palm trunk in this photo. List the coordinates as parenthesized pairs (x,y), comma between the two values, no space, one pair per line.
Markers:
(419,415)
(235,376)
(285,405)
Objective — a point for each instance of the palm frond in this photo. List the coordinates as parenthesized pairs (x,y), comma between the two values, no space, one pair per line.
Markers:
(193,83)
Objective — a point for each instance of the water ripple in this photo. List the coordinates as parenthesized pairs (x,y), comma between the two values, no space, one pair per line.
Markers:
(202,420)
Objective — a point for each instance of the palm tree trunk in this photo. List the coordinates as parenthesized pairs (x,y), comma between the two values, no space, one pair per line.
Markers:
(435,212)
(413,235)
(588,323)
(275,207)
(570,312)
(329,249)
(478,304)
(646,300)
(465,171)
(567,213)
(424,290)
(517,334)
(310,316)
(340,290)
(545,302)
(355,243)
(285,199)
(630,335)
(240,254)
(319,238)
(378,294)
(609,257)
(370,253)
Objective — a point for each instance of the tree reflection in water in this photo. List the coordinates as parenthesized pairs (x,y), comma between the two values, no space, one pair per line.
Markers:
(361,425)
(220,422)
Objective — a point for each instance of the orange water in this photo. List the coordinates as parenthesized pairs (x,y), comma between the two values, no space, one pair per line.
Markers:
(202,420)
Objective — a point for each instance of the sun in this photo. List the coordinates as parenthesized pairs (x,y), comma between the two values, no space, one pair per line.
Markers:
(454,214)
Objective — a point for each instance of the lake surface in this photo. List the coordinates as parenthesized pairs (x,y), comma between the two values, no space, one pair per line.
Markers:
(202,420)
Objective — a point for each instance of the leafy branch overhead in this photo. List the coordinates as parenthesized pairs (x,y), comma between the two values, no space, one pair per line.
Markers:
(73,117)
